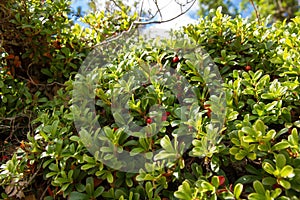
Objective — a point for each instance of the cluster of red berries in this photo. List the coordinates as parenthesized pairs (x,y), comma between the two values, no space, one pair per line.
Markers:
(164,117)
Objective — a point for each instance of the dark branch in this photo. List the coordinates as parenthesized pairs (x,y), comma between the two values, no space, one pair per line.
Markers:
(168,20)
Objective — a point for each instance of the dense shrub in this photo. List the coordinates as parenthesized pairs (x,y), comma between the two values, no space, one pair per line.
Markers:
(41,48)
(255,156)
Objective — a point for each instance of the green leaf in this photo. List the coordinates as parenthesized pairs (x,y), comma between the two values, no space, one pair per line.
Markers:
(293,138)
(280,160)
(89,159)
(165,142)
(129,182)
(78,196)
(267,96)
(66,51)
(197,79)
(249,131)
(80,187)
(164,155)
(206,186)
(232,116)
(249,139)
(252,156)
(1,84)
(257,75)
(65,187)
(233,150)
(48,175)
(239,156)
(287,171)
(259,126)
(215,164)
(238,188)
(284,183)
(256,196)
(286,114)
(47,162)
(47,72)
(53,167)
(98,191)
(275,193)
(136,151)
(110,177)
(270,106)
(184,191)
(268,167)
(269,181)
(89,186)
(215,181)
(119,118)
(258,187)
(281,145)
(87,166)
(149,188)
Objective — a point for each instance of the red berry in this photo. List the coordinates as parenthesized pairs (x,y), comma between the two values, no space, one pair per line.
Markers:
(248,68)
(149,120)
(175,59)
(207,107)
(164,118)
(115,129)
(168,113)
(221,180)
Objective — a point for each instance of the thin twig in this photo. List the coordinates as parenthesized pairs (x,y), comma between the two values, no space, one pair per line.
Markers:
(40,84)
(4,11)
(110,39)
(116,4)
(164,21)
(12,125)
(136,23)
(141,10)
(44,192)
(158,9)
(31,178)
(256,12)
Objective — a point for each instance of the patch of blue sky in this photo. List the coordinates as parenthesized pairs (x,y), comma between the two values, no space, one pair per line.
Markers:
(83,7)
(168,11)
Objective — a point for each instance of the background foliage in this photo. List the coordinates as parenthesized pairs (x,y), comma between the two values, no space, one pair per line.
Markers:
(277,10)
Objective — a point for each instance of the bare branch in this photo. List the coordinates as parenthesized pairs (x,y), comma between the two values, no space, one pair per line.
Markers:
(158,9)
(138,22)
(256,12)
(141,11)
(168,20)
(116,4)
(110,39)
